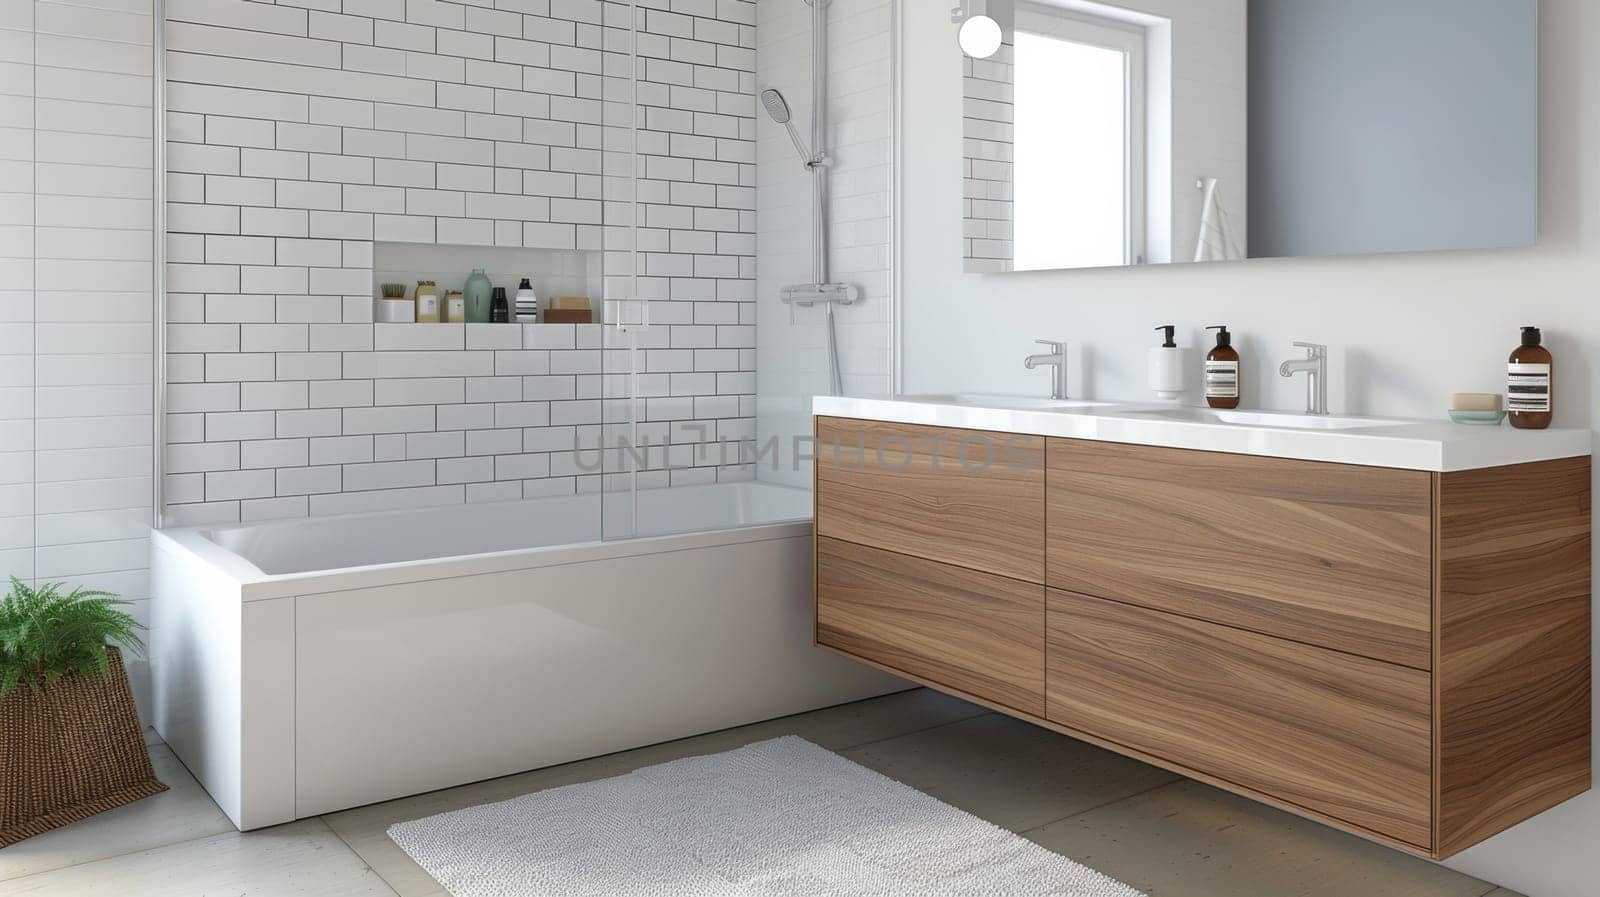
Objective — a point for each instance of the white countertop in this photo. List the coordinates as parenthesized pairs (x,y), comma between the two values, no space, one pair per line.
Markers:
(1439,446)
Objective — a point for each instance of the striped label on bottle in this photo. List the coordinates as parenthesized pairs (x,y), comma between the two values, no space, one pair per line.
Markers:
(1222,379)
(1528,388)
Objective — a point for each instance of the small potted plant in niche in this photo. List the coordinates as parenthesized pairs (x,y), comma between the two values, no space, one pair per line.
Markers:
(70,741)
(394,307)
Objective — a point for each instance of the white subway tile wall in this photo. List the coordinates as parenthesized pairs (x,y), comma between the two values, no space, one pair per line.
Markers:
(76,309)
(988,154)
(299,137)
(17,300)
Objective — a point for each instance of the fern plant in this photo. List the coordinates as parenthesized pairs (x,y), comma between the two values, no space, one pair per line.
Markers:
(45,635)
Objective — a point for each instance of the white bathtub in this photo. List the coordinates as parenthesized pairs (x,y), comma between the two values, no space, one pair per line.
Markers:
(308,666)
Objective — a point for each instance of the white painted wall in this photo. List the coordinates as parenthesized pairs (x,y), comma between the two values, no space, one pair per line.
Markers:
(1318,159)
(1406,331)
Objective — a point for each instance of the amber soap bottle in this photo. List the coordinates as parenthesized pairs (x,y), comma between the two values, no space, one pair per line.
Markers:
(1222,371)
(1530,382)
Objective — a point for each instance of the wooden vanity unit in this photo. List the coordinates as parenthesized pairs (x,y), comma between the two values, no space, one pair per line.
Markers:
(1399,653)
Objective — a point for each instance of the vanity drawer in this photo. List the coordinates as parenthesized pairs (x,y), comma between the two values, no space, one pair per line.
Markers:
(962,497)
(1343,736)
(1327,554)
(975,632)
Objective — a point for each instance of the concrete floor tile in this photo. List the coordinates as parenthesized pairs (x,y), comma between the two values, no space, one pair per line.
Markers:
(1016,775)
(183,812)
(1191,840)
(304,859)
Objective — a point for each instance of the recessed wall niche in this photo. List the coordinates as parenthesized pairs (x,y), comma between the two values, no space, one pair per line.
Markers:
(552,272)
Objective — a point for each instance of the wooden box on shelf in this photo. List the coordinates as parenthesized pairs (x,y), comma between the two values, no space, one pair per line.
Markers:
(569,310)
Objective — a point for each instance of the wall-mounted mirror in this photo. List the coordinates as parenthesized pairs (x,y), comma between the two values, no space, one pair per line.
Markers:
(1137,132)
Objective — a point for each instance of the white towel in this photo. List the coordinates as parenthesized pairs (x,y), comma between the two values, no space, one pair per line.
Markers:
(1217,243)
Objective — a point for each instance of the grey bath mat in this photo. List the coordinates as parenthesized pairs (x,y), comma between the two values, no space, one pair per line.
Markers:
(782,818)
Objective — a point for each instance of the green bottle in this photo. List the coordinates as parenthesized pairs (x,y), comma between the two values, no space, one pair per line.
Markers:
(479,293)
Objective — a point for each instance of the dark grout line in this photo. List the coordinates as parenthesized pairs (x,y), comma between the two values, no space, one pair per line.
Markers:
(1113,802)
(357,854)
(855,747)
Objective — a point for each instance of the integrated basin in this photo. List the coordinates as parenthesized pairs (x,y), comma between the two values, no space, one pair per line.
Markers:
(1303,421)
(1008,403)
(1274,420)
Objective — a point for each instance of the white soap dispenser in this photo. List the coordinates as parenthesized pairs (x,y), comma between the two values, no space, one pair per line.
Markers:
(1166,366)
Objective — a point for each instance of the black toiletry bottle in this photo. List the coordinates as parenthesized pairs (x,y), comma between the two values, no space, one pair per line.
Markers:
(499,309)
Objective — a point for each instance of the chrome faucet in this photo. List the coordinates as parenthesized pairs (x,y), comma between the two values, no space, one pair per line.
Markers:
(1056,358)
(1315,367)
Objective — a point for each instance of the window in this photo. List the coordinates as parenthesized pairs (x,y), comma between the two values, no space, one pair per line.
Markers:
(1079,142)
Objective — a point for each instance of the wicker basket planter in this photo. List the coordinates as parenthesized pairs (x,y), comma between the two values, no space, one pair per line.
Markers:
(70,751)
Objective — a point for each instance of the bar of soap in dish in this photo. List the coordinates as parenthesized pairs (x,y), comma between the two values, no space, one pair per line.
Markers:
(1475,401)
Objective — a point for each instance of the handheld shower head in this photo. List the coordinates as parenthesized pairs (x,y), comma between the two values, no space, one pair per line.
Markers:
(778,108)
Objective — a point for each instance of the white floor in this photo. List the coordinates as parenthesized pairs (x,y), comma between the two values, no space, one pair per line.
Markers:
(1166,836)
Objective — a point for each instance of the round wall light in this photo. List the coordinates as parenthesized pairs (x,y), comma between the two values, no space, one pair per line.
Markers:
(981,37)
